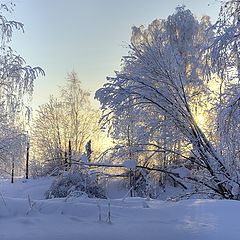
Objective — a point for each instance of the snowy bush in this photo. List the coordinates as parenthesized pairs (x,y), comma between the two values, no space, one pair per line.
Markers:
(69,183)
(145,185)
(37,169)
(49,168)
(142,184)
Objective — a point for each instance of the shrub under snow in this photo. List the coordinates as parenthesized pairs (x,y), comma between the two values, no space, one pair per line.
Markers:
(70,183)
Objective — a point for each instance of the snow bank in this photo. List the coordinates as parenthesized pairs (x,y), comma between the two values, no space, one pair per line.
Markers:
(133,218)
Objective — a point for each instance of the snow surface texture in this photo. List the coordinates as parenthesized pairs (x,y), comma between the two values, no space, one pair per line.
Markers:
(130,164)
(25,214)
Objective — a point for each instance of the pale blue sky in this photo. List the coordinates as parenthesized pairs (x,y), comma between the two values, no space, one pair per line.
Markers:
(86,35)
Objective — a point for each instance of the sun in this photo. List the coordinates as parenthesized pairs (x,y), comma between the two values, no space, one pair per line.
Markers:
(200,119)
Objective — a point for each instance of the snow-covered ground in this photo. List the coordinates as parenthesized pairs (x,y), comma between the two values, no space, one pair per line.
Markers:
(35,218)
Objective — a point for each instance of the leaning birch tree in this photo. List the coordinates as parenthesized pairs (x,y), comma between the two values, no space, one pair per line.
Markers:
(164,71)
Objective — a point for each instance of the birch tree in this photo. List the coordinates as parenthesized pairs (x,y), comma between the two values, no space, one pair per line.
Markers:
(164,72)
(65,125)
(225,59)
(16,86)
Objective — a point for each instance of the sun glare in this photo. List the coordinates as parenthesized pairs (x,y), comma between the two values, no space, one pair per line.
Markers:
(200,120)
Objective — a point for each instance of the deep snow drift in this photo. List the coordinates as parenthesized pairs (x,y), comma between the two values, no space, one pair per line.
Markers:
(33,217)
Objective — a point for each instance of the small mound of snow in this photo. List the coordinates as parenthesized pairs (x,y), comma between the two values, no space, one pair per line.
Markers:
(130,164)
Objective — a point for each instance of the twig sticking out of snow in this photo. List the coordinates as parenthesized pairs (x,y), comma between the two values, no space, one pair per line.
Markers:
(109,213)
(123,199)
(31,205)
(108,220)
(99,212)
(4,202)
(145,205)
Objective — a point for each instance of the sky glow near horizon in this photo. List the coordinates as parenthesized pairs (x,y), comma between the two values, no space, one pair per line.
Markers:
(88,36)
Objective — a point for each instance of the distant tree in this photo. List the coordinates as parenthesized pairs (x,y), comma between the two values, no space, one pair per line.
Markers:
(66,121)
(76,103)
(89,151)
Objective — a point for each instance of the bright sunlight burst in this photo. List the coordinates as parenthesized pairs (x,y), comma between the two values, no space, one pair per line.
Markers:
(200,119)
